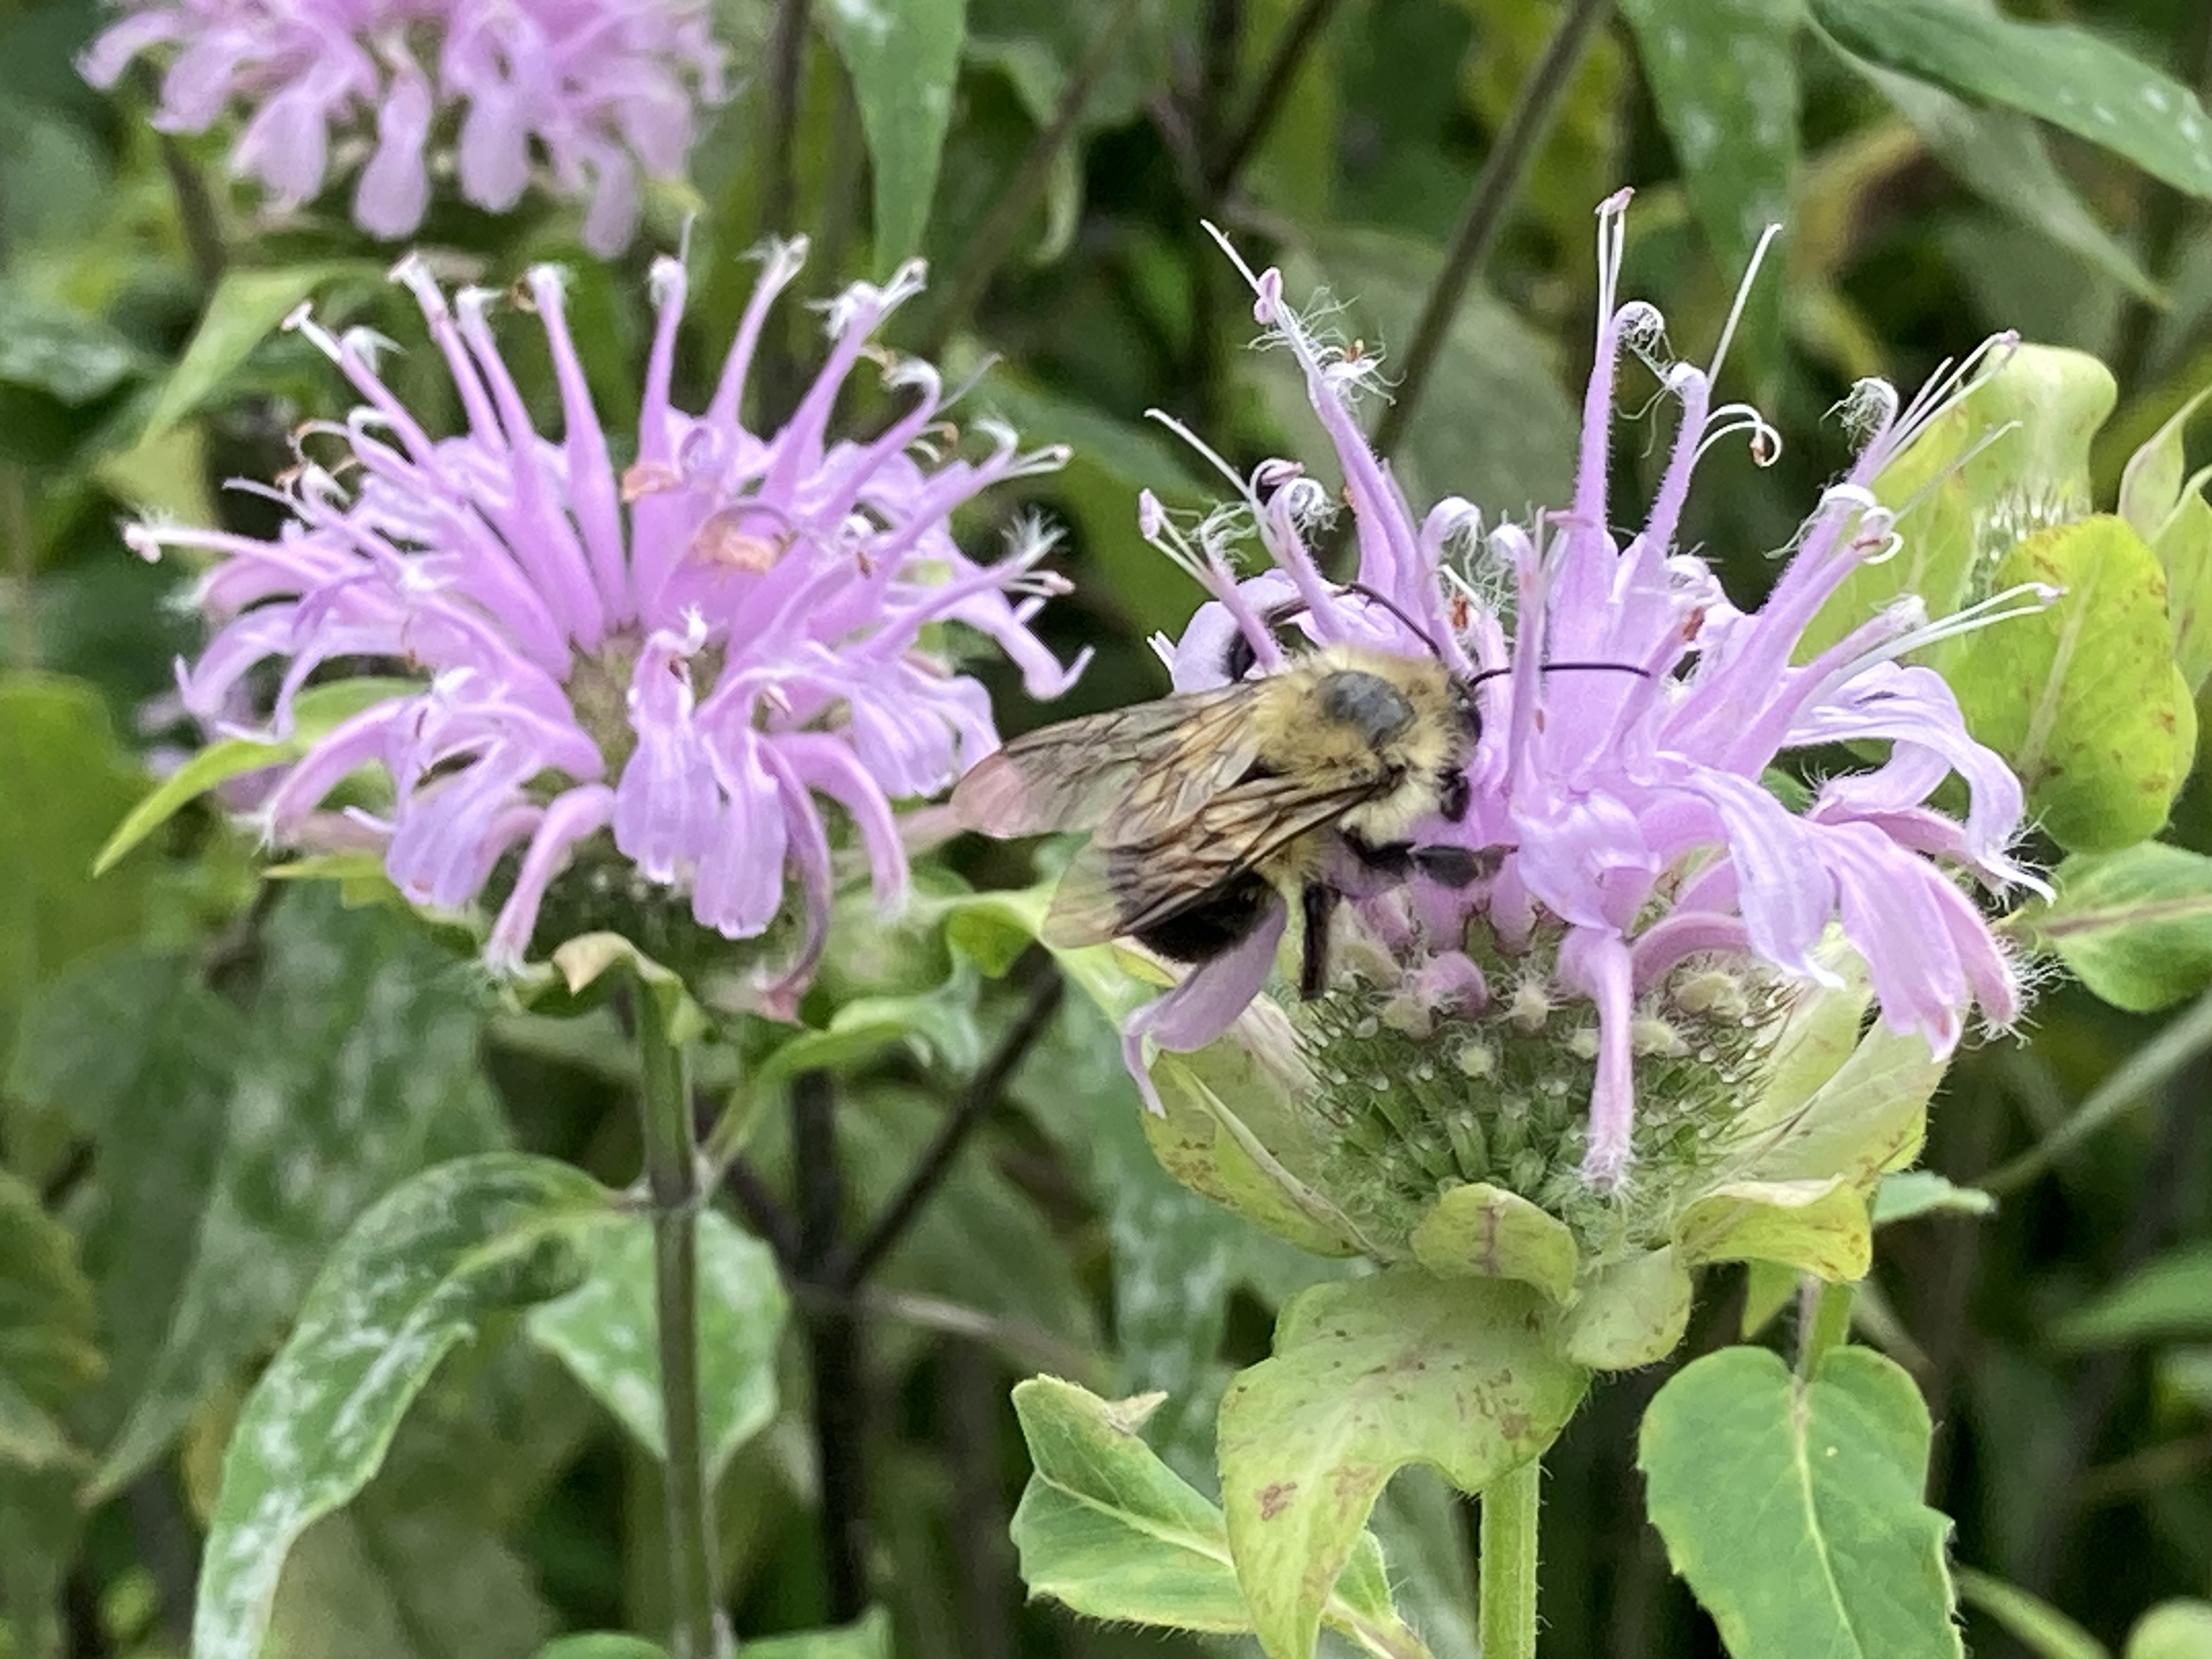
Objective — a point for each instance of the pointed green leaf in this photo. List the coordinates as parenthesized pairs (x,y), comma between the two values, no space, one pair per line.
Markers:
(606,1331)
(2001,155)
(2168,1296)
(2067,76)
(217,763)
(244,309)
(415,1276)
(1869,1115)
(1396,1368)
(1724,75)
(2173,1630)
(904,57)
(1486,1231)
(1912,1192)
(357,1067)
(2170,512)
(2134,925)
(2082,698)
(1794,1510)
(1632,1312)
(868,1636)
(1107,1529)
(1818,1227)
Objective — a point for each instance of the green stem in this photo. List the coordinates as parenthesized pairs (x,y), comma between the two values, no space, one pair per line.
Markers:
(671,1174)
(1507,1609)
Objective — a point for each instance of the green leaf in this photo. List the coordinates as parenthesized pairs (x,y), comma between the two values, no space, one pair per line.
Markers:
(1632,1312)
(2173,1630)
(1396,1368)
(47,1352)
(245,307)
(1486,1231)
(2170,512)
(428,1583)
(2082,698)
(868,1636)
(1867,1116)
(40,1523)
(75,358)
(2000,155)
(2170,1296)
(1724,75)
(2067,76)
(358,1066)
(606,1644)
(1495,427)
(1912,1192)
(415,1276)
(606,1331)
(1817,1227)
(904,58)
(2134,925)
(1107,1529)
(66,782)
(1794,1510)
(216,763)
(2033,1623)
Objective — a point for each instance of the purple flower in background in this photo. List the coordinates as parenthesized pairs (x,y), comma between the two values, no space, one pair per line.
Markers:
(592,90)
(1628,808)
(685,653)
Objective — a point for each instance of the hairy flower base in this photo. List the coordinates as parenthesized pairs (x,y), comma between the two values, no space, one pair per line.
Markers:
(1414,1103)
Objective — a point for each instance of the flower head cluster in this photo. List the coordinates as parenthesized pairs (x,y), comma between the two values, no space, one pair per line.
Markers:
(687,652)
(1654,900)
(595,90)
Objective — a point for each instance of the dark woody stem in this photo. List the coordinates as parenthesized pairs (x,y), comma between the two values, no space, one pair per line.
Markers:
(834,1357)
(1276,80)
(671,1174)
(988,248)
(1488,199)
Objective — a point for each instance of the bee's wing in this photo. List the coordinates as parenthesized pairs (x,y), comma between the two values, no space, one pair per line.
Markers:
(1141,767)
(1112,890)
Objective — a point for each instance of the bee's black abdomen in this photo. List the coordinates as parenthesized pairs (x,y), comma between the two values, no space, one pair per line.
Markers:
(1215,925)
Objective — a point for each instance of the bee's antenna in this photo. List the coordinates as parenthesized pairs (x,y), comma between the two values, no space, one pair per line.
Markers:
(1565,668)
(1391,605)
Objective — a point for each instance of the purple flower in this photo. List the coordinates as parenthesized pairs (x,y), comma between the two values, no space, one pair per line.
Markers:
(1636,833)
(686,654)
(592,89)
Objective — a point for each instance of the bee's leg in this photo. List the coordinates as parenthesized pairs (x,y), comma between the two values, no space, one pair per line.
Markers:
(1456,867)
(1393,857)
(1318,902)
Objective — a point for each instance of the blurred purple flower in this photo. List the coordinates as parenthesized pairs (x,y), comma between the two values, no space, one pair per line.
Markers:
(1630,807)
(597,89)
(685,653)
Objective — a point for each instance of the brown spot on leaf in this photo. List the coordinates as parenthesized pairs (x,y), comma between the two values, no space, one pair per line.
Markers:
(1274,1496)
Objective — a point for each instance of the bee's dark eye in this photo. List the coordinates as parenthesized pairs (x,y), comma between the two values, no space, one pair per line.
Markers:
(1240,658)
(1455,795)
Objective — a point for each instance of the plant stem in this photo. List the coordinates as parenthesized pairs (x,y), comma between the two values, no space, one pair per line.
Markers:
(988,247)
(671,1174)
(776,379)
(976,1099)
(1276,80)
(1493,192)
(1507,1563)
(833,1350)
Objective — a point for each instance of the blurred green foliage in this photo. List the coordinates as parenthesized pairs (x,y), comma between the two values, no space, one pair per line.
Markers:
(202,1089)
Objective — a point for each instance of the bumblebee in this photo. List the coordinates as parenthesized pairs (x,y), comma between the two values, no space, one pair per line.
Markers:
(1204,806)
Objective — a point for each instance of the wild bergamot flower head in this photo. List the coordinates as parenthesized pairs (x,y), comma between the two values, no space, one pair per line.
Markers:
(662,662)
(589,95)
(1658,903)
